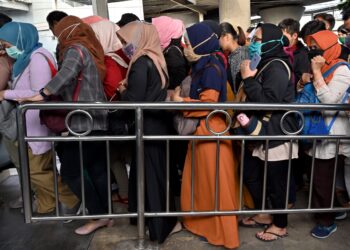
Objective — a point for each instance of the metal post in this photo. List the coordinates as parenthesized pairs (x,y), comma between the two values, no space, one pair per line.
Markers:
(289,170)
(140,174)
(24,161)
(312,172)
(335,171)
(241,176)
(109,177)
(265,174)
(217,174)
(167,176)
(82,179)
(55,184)
(192,175)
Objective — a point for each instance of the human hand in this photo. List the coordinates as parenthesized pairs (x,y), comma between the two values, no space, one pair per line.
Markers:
(176,95)
(317,63)
(246,72)
(36,98)
(122,86)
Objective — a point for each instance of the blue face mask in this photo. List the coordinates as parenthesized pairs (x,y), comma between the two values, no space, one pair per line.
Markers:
(255,47)
(14,52)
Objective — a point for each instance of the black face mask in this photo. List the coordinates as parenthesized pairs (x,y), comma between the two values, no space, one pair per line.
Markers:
(314,52)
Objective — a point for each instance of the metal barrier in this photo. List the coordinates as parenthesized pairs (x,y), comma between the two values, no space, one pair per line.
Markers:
(139,138)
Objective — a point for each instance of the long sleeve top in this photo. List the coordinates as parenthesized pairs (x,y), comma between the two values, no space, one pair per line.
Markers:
(91,89)
(333,93)
(36,75)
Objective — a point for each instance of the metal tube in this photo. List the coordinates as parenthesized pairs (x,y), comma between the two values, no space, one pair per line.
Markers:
(289,170)
(265,174)
(312,172)
(55,182)
(217,174)
(192,174)
(335,172)
(24,161)
(140,174)
(241,176)
(108,151)
(82,179)
(167,176)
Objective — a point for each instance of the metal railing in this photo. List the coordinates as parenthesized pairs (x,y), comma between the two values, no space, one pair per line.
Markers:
(140,138)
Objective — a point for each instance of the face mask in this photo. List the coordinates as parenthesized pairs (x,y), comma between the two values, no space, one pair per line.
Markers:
(342,40)
(190,55)
(255,47)
(14,52)
(129,50)
(314,52)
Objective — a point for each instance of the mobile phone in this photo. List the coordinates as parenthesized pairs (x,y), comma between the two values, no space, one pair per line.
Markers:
(255,61)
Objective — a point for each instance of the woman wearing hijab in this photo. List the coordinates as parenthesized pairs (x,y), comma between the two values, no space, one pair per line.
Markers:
(31,72)
(76,37)
(170,32)
(116,68)
(324,52)
(209,86)
(115,61)
(272,85)
(146,81)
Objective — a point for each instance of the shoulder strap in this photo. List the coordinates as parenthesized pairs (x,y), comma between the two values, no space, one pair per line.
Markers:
(51,65)
(279,60)
(173,46)
(334,67)
(344,99)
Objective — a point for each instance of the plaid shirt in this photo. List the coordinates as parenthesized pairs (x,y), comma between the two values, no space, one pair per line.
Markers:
(91,89)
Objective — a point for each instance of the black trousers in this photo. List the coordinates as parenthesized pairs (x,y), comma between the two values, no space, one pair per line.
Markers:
(155,190)
(277,173)
(322,188)
(95,172)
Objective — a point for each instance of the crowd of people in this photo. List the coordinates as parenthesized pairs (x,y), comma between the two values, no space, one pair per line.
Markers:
(97,60)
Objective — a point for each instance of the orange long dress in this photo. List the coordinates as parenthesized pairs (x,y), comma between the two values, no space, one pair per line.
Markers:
(218,230)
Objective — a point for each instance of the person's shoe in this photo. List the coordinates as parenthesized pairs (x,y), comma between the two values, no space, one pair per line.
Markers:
(16,203)
(322,232)
(65,211)
(341,215)
(92,226)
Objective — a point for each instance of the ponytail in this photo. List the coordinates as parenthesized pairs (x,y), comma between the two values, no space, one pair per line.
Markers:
(241,39)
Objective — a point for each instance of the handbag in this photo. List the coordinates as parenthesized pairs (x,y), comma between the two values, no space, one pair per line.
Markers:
(8,120)
(184,125)
(55,119)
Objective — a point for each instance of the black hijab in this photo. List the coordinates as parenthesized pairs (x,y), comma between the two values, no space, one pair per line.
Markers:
(275,49)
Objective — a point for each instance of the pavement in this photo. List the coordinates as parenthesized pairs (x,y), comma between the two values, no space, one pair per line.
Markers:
(15,234)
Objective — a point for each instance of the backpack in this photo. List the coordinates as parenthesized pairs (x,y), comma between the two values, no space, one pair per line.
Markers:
(314,123)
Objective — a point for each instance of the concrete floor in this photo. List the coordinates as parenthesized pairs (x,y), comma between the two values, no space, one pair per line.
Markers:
(15,234)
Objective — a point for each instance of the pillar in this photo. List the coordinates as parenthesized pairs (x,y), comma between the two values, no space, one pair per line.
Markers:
(236,12)
(277,14)
(100,8)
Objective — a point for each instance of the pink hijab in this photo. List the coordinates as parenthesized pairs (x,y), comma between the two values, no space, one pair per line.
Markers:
(92,19)
(168,28)
(144,37)
(106,33)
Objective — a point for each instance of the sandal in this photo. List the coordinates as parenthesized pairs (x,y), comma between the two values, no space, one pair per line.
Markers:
(255,223)
(278,236)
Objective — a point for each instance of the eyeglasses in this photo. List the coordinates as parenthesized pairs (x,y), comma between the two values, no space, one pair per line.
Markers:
(256,39)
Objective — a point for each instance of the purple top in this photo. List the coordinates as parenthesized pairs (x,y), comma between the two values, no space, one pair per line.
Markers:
(34,77)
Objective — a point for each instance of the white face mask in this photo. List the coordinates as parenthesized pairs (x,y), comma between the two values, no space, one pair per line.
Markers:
(74,27)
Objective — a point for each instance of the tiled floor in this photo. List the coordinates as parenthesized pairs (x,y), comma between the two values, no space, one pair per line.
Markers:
(15,234)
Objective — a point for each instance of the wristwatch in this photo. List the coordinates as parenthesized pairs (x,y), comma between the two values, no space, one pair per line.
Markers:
(42,93)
